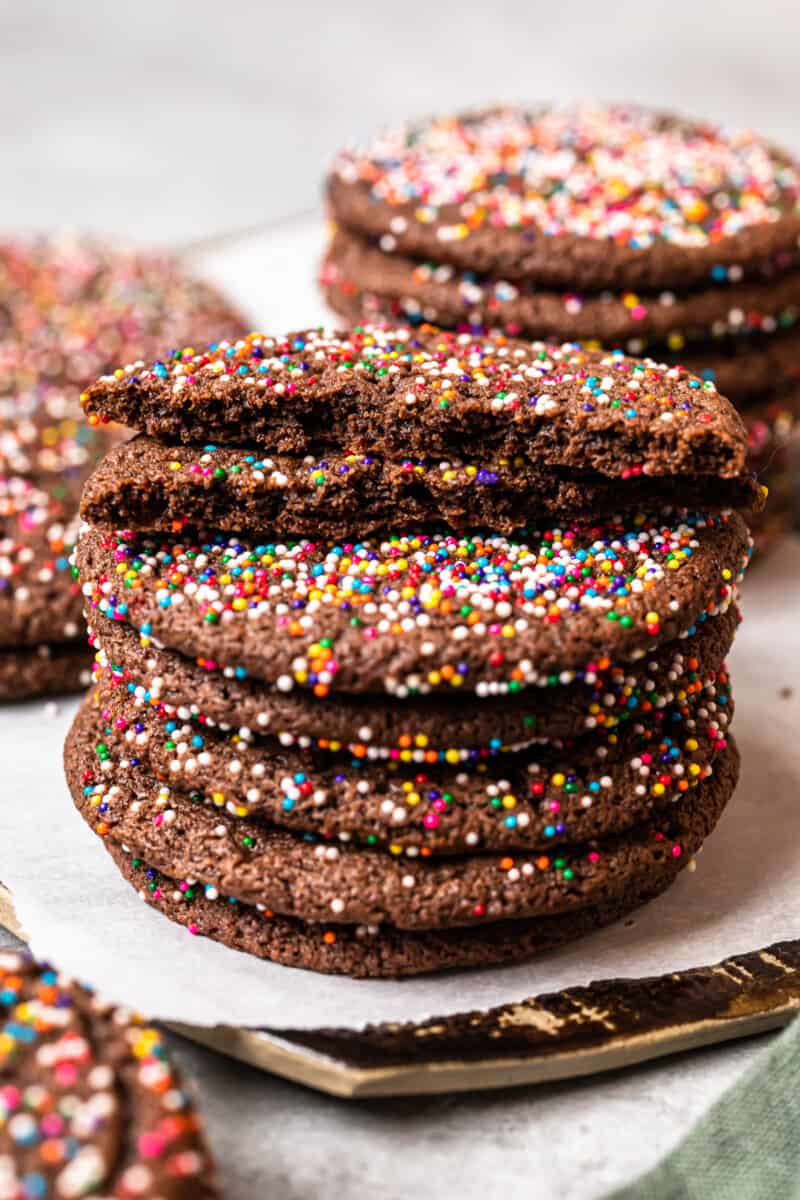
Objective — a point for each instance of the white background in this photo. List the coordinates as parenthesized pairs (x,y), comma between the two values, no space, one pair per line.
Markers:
(173,119)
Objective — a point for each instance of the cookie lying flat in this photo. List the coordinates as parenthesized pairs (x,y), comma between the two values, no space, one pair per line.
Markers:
(44,670)
(535,798)
(414,614)
(144,484)
(319,881)
(400,393)
(589,197)
(422,729)
(358,276)
(89,1102)
(363,951)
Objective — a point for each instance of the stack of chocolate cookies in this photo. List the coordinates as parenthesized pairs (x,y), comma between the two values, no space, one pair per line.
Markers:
(69,309)
(611,226)
(410,645)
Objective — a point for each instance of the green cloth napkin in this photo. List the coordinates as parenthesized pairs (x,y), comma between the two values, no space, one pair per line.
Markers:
(746,1147)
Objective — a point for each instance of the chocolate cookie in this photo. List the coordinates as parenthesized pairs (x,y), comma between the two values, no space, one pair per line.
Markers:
(39,599)
(723,359)
(771,427)
(90,1104)
(536,798)
(422,729)
(317,881)
(359,277)
(44,670)
(68,309)
(43,438)
(395,393)
(418,613)
(590,197)
(42,637)
(71,308)
(363,951)
(745,354)
(746,368)
(147,485)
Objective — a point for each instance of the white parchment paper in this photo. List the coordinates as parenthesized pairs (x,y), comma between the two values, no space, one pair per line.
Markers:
(77,911)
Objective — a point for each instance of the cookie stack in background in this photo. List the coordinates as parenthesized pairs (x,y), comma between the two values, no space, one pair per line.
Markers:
(346,714)
(69,309)
(611,226)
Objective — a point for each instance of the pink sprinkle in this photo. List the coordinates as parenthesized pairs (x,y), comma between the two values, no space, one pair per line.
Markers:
(151,1145)
(10,1097)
